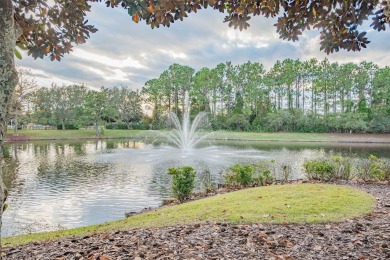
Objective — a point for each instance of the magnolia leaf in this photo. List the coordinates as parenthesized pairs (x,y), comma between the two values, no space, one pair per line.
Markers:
(17,54)
(136,18)
(132,10)
(150,8)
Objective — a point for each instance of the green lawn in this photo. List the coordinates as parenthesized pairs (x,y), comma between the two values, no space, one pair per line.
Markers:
(79,134)
(272,136)
(82,133)
(223,135)
(297,203)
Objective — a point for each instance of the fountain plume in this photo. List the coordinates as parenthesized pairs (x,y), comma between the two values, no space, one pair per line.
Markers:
(185,135)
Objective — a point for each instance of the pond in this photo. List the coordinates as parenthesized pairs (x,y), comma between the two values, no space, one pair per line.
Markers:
(56,185)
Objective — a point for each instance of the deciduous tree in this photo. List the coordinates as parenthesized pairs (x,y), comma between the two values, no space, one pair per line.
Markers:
(126,103)
(26,85)
(66,103)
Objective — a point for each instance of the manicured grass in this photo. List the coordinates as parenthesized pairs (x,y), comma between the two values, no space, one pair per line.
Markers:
(297,203)
(272,136)
(223,135)
(82,133)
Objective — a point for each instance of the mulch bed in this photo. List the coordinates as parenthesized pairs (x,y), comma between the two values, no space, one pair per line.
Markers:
(366,237)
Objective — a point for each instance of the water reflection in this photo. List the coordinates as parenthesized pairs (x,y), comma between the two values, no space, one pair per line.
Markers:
(56,185)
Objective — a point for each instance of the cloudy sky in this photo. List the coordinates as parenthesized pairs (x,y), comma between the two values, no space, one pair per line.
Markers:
(125,53)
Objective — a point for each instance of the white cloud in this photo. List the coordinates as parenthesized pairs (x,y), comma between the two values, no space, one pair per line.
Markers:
(110,74)
(245,39)
(108,61)
(175,55)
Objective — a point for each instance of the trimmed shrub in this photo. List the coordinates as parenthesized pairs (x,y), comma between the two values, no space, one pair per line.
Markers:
(342,167)
(183,181)
(319,170)
(373,168)
(338,167)
(263,173)
(240,175)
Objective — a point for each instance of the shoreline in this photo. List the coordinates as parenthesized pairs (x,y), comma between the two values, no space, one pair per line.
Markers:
(24,138)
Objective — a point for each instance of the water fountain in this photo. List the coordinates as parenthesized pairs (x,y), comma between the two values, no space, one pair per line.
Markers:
(184,139)
(185,135)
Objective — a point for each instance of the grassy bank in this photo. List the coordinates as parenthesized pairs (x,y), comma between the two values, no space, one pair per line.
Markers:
(298,203)
(82,133)
(273,136)
(253,136)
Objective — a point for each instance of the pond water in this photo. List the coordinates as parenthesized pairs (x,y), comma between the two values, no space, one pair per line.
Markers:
(56,185)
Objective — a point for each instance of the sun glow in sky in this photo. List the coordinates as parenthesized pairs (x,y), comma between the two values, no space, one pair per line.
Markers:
(125,53)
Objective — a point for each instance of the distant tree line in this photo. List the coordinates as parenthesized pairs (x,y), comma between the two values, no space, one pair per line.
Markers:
(294,95)
(75,106)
